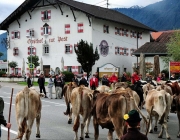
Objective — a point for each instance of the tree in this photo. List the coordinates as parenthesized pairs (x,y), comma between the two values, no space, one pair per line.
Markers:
(1,54)
(173,49)
(13,64)
(86,56)
(35,60)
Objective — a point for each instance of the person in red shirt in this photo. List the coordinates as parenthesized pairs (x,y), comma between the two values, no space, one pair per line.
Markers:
(135,77)
(113,78)
(93,82)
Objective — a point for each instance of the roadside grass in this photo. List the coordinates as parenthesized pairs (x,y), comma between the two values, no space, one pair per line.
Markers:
(34,83)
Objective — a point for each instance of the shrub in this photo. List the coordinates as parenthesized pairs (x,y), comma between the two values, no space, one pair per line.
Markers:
(68,76)
(2,73)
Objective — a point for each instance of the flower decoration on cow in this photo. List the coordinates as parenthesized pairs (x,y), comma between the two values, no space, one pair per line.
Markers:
(126,116)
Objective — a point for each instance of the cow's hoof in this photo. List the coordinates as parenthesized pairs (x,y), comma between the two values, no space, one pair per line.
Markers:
(150,131)
(155,129)
(168,138)
(160,136)
(87,136)
(69,121)
(38,136)
(178,136)
(81,138)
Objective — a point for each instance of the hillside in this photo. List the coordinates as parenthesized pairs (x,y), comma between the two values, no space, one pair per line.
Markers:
(2,47)
(163,15)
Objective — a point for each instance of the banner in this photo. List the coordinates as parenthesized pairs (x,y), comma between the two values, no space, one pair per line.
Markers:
(174,67)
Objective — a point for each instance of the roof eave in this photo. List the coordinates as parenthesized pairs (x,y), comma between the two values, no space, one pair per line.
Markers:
(150,54)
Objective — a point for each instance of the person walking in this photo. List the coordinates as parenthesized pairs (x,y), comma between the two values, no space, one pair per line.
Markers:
(50,86)
(75,79)
(62,77)
(123,78)
(2,119)
(93,82)
(58,86)
(41,82)
(83,81)
(133,121)
(105,80)
(29,81)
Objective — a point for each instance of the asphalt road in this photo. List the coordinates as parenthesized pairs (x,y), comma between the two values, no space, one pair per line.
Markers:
(54,124)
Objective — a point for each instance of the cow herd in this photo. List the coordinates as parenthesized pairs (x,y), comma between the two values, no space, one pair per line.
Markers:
(105,105)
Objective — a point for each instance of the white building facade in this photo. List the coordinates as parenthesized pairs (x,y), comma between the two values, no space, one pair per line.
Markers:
(51,31)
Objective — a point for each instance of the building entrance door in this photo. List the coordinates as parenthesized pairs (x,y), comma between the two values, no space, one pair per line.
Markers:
(46,69)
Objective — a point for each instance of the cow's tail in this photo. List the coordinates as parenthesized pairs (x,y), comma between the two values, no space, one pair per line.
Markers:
(144,118)
(26,105)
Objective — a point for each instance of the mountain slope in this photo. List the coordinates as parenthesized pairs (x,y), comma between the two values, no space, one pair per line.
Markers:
(163,15)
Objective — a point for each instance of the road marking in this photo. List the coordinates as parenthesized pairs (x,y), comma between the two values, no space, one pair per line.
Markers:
(11,131)
(61,105)
(52,102)
(45,105)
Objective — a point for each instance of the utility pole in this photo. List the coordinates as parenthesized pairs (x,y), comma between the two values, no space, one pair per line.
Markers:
(107,3)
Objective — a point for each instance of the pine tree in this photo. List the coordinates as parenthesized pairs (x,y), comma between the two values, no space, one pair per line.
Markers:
(86,56)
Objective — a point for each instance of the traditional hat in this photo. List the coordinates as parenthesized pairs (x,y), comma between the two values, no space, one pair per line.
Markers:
(132,116)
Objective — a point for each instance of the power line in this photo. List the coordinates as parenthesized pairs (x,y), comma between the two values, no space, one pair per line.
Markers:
(99,2)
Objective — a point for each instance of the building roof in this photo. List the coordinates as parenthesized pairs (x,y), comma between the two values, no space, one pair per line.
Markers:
(151,49)
(158,47)
(91,10)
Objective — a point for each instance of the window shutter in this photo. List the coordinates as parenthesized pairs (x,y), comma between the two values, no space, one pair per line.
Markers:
(80,27)
(135,34)
(140,35)
(27,33)
(122,32)
(127,52)
(131,34)
(116,50)
(13,51)
(42,31)
(49,30)
(65,49)
(116,30)
(67,28)
(34,51)
(19,71)
(29,50)
(71,48)
(42,15)
(104,29)
(12,35)
(49,14)
(18,35)
(127,32)
(65,68)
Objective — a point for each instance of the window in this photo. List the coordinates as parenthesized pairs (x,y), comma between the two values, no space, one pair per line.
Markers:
(46,49)
(124,32)
(30,33)
(68,48)
(132,51)
(15,51)
(31,50)
(46,15)
(46,29)
(67,28)
(106,29)
(133,34)
(15,35)
(69,68)
(123,51)
(80,27)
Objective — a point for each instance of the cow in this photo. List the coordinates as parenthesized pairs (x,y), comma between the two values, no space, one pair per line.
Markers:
(28,107)
(108,110)
(161,103)
(81,101)
(146,88)
(67,96)
(103,88)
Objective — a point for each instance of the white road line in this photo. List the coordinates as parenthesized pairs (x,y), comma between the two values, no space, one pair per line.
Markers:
(51,102)
(61,105)
(11,131)
(45,105)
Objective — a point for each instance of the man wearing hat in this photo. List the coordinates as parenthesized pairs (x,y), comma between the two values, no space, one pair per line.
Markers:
(133,120)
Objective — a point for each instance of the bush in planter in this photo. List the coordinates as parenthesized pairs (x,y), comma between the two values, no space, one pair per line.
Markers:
(2,73)
(68,76)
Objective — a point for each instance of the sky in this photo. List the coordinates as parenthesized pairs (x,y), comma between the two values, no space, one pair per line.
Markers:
(8,6)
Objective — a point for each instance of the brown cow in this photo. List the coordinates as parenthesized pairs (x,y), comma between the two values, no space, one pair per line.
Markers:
(109,109)
(28,107)
(161,101)
(67,95)
(81,100)
(103,88)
